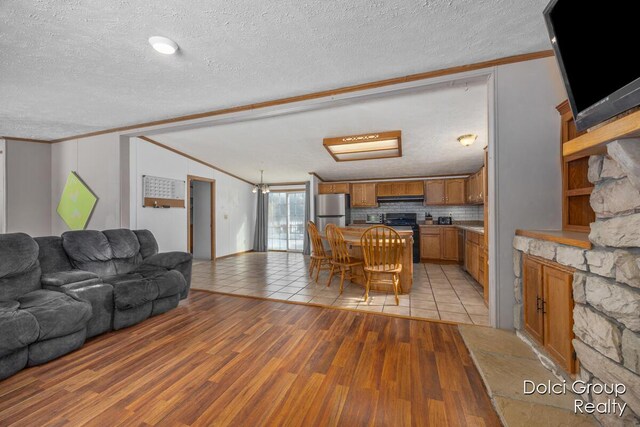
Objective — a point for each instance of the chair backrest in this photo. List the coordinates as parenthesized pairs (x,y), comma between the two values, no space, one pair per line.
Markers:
(19,267)
(339,250)
(382,248)
(317,247)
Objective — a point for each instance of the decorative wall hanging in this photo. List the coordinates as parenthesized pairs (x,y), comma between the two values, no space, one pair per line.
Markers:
(76,203)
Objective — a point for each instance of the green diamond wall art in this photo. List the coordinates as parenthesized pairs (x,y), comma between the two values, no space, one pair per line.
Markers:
(76,203)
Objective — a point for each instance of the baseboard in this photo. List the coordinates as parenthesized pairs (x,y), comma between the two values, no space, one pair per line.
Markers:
(235,254)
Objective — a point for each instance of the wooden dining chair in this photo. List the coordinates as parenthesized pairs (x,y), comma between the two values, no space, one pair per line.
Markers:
(340,258)
(319,257)
(382,249)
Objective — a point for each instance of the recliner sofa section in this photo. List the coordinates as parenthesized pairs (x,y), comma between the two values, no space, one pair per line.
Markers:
(117,275)
(36,325)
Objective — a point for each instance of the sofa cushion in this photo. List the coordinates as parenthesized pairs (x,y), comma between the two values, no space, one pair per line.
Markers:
(169,283)
(132,293)
(52,256)
(121,277)
(89,250)
(126,249)
(148,243)
(19,266)
(18,328)
(57,314)
(66,277)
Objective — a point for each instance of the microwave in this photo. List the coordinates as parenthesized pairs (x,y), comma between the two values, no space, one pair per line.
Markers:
(375,219)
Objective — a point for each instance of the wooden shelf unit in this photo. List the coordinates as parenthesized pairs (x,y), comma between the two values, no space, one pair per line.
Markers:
(594,142)
(577,213)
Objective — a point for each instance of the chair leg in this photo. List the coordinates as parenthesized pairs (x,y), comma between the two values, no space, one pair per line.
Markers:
(331,275)
(396,281)
(366,289)
(311,265)
(319,268)
(342,273)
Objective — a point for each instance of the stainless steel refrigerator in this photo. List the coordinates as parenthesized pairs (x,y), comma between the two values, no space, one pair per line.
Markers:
(332,209)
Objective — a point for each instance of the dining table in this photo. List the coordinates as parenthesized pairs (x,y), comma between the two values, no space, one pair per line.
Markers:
(352,236)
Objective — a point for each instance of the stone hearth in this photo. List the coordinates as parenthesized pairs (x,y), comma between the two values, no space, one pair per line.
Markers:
(606,285)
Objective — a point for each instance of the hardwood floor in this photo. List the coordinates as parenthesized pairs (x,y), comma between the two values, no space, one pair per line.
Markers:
(223,360)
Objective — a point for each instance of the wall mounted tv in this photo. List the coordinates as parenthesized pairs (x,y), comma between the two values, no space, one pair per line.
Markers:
(594,44)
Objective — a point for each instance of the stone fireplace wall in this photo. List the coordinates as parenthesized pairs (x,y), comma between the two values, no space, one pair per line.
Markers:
(606,285)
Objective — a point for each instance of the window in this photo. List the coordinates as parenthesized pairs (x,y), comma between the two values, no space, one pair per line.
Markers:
(286,221)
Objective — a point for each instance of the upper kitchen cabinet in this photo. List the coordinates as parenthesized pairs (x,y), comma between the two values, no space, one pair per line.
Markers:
(444,192)
(337,188)
(475,187)
(400,188)
(363,195)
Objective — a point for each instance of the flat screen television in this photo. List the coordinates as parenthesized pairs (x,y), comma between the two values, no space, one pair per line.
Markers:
(595,44)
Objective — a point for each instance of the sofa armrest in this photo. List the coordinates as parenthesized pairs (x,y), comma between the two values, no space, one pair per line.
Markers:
(62,278)
(100,296)
(168,260)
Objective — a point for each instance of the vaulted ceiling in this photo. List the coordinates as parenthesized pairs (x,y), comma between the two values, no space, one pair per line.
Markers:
(289,146)
(73,67)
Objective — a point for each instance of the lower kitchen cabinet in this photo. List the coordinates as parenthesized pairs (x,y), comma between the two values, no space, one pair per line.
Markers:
(548,308)
(439,243)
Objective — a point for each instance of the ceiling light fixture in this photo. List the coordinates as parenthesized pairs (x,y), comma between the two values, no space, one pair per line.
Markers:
(163,45)
(264,188)
(381,145)
(468,139)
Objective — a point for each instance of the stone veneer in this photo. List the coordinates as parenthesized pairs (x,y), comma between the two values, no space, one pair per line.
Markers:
(606,285)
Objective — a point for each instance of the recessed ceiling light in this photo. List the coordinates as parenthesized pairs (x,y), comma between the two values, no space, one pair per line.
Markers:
(163,45)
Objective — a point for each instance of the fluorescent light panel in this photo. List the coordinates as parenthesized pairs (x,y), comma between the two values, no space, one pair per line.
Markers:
(379,145)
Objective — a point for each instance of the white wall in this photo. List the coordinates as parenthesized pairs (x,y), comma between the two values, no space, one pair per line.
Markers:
(28,189)
(97,161)
(235,203)
(527,159)
(201,212)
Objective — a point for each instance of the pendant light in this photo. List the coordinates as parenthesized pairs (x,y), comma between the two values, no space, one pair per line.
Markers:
(264,188)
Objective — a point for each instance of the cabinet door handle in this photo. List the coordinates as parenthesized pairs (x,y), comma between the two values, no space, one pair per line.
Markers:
(538,305)
(544,305)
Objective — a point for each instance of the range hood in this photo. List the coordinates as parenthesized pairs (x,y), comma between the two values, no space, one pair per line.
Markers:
(397,199)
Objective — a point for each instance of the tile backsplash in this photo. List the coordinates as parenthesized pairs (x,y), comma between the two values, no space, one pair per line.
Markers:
(459,213)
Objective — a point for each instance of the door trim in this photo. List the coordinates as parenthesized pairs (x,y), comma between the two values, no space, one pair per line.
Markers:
(190,179)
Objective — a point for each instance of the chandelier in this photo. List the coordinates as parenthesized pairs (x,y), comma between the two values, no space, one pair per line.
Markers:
(264,188)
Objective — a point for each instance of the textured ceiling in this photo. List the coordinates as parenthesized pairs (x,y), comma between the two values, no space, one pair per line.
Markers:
(69,67)
(288,147)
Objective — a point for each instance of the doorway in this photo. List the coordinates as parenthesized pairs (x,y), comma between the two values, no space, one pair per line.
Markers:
(201,197)
(286,221)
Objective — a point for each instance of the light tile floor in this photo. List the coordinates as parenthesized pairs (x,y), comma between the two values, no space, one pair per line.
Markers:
(443,292)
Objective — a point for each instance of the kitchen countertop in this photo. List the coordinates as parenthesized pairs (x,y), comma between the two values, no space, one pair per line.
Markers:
(395,227)
(473,228)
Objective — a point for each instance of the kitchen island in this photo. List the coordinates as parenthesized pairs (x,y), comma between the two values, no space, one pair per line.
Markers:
(352,237)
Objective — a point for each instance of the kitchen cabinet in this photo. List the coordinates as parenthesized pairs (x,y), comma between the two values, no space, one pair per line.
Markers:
(434,192)
(472,251)
(454,192)
(439,243)
(400,188)
(338,188)
(449,241)
(548,308)
(445,192)
(363,195)
(475,187)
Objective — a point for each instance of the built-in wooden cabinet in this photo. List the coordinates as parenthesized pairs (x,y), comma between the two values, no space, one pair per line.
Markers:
(400,188)
(334,188)
(577,214)
(475,257)
(363,195)
(439,243)
(475,187)
(444,192)
(548,308)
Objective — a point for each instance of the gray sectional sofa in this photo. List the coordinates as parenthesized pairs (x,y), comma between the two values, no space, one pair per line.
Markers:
(57,291)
